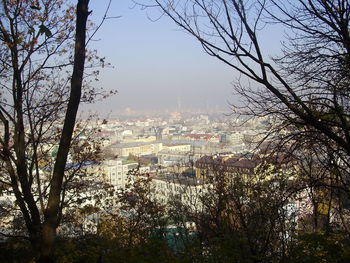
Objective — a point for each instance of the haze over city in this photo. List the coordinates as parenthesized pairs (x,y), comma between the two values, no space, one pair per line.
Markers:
(156,66)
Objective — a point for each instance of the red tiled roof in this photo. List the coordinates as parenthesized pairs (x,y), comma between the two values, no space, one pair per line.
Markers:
(233,162)
(201,136)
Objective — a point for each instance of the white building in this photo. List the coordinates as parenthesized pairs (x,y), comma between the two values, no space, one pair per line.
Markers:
(188,191)
(118,172)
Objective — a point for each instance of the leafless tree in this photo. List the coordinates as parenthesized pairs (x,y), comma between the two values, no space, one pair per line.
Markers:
(303,88)
(306,84)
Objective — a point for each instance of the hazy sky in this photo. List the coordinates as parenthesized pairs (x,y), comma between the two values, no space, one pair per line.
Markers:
(156,65)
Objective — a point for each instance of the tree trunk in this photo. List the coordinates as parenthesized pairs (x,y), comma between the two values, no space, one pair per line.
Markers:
(52,211)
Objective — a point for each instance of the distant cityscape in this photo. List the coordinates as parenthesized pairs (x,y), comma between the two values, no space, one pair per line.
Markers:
(171,140)
(179,151)
(162,112)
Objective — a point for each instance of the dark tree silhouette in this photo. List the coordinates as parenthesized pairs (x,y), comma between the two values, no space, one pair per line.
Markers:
(38,95)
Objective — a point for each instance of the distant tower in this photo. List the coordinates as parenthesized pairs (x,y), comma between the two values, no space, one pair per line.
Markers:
(179,103)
